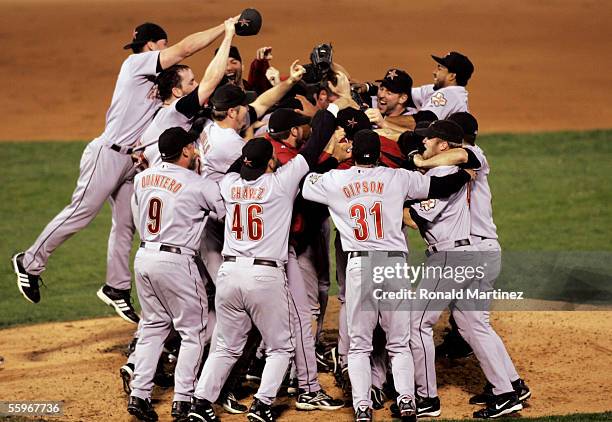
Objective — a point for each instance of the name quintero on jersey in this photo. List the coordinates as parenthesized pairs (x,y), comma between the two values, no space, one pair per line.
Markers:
(412,273)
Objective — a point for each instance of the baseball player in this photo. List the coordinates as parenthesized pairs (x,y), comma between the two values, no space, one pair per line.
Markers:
(447,95)
(182,96)
(445,226)
(251,283)
(483,234)
(172,203)
(366,203)
(106,168)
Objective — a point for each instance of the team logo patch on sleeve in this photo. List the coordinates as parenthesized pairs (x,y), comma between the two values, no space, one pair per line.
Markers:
(314,178)
(428,204)
(438,99)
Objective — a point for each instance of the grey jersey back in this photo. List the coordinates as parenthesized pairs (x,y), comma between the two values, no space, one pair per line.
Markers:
(220,147)
(258,212)
(134,100)
(481,209)
(165,118)
(442,102)
(366,204)
(448,218)
(172,203)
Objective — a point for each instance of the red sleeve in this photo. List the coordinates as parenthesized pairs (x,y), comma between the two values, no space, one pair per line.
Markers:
(323,157)
(257,76)
(390,153)
(283,153)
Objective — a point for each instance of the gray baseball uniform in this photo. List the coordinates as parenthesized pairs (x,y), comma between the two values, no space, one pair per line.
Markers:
(105,170)
(484,237)
(446,229)
(368,215)
(442,102)
(251,283)
(172,206)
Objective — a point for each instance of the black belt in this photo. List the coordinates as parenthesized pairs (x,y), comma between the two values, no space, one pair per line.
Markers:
(256,261)
(127,151)
(462,242)
(165,248)
(391,254)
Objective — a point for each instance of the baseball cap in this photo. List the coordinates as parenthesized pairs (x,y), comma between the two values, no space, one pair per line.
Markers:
(255,156)
(366,147)
(352,121)
(444,129)
(146,32)
(234,53)
(468,123)
(284,119)
(229,95)
(249,23)
(456,63)
(172,141)
(397,81)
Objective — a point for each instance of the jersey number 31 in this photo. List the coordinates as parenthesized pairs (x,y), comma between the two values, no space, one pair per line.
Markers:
(254,223)
(358,213)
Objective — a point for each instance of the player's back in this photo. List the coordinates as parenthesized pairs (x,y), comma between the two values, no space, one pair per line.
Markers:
(172,204)
(134,102)
(366,204)
(220,148)
(481,210)
(165,118)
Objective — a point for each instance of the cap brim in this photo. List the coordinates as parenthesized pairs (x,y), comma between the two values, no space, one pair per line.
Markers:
(251,173)
(303,120)
(439,60)
(133,44)
(423,131)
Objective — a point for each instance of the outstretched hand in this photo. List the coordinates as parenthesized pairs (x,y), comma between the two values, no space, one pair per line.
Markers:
(296,72)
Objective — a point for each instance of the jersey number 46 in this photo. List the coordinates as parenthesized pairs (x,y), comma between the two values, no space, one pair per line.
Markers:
(358,213)
(254,223)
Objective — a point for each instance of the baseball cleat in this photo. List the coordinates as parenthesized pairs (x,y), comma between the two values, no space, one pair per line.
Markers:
(521,390)
(501,405)
(201,411)
(141,409)
(231,404)
(256,369)
(260,412)
(127,375)
(324,359)
(378,397)
(484,397)
(318,400)
(428,406)
(121,301)
(363,414)
(407,410)
(180,411)
(27,283)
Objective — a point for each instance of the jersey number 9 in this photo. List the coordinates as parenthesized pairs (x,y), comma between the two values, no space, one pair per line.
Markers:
(254,222)
(154,215)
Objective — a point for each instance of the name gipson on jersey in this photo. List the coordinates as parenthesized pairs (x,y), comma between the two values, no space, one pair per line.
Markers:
(160,181)
(365,186)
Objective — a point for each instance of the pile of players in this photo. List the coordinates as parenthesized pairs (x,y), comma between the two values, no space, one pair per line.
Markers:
(231,184)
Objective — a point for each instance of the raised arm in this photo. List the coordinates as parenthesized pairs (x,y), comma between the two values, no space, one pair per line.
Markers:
(189,46)
(271,96)
(451,157)
(216,69)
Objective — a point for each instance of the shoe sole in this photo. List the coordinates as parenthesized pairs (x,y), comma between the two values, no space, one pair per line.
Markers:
(126,377)
(478,402)
(234,411)
(309,407)
(110,303)
(19,273)
(525,396)
(253,378)
(433,414)
(255,418)
(408,418)
(513,409)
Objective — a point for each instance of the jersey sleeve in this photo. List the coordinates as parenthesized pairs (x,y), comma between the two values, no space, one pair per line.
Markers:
(314,188)
(188,105)
(209,197)
(475,158)
(441,102)
(420,94)
(144,64)
(429,209)
(291,173)
(415,184)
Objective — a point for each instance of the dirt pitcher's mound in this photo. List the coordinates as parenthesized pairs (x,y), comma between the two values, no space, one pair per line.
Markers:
(564,356)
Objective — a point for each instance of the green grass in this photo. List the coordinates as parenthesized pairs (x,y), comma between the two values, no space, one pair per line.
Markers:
(551,192)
